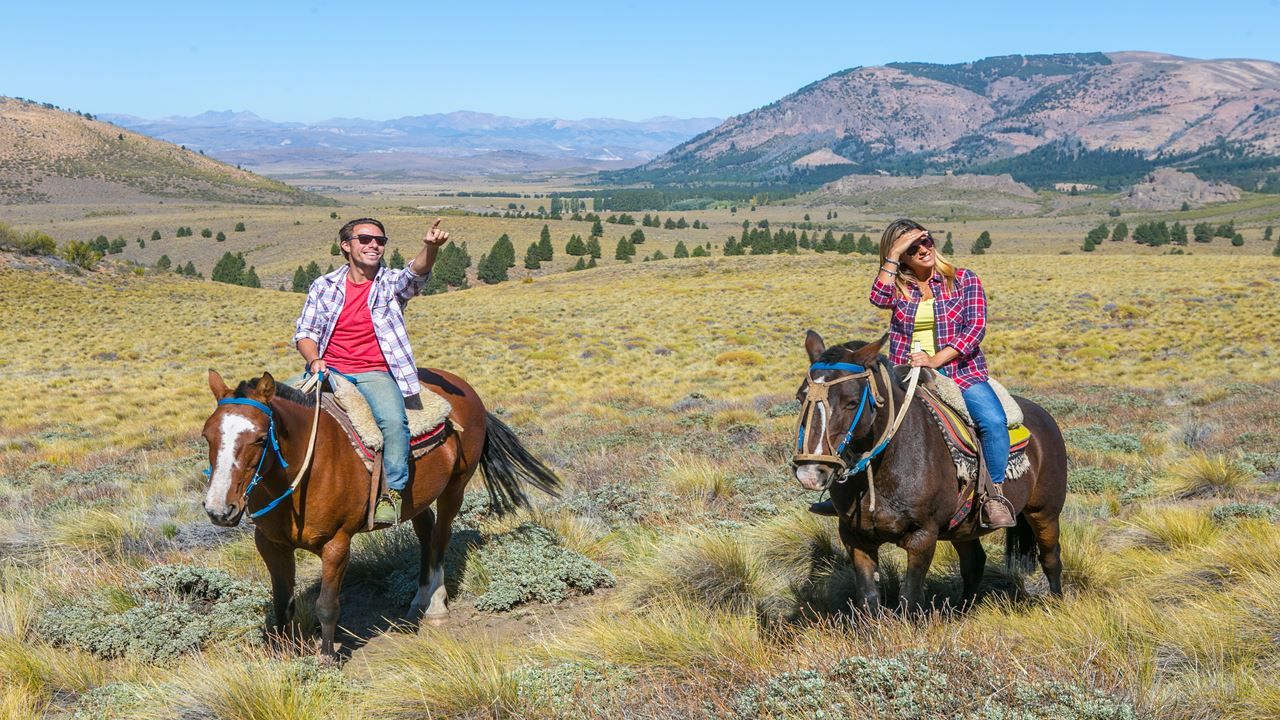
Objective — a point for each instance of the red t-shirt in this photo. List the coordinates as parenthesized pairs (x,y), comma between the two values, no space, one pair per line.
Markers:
(353,346)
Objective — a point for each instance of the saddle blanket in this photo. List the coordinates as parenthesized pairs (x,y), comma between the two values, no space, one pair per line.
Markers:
(428,419)
(946,404)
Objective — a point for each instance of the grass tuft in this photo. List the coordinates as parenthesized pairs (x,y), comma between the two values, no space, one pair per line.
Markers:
(1205,475)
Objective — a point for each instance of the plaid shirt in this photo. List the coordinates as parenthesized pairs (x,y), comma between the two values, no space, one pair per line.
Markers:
(325,300)
(960,317)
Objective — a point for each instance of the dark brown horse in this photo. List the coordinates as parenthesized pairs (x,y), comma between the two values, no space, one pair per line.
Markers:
(916,488)
(330,505)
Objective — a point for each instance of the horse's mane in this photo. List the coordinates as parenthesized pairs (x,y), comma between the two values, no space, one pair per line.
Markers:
(287,392)
(836,354)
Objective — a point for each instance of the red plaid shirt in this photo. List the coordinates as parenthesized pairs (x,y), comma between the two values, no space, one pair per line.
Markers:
(960,321)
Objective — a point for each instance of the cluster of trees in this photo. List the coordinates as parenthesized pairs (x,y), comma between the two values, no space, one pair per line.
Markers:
(980,245)
(1153,233)
(623,219)
(669,224)
(102,246)
(230,269)
(578,248)
(539,252)
(303,277)
(450,269)
(493,266)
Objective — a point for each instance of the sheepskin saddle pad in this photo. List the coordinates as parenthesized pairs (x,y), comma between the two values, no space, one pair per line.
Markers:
(946,405)
(428,418)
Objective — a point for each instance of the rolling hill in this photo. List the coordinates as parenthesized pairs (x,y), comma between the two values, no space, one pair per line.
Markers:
(49,155)
(1103,117)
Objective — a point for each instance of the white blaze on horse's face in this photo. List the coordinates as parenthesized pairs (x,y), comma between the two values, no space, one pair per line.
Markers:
(230,431)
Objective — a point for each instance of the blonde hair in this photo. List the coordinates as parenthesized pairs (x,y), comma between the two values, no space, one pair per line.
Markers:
(891,234)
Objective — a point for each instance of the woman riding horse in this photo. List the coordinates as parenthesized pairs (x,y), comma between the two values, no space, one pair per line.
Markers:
(938,321)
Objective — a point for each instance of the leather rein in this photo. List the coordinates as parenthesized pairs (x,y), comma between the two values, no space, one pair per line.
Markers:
(817,404)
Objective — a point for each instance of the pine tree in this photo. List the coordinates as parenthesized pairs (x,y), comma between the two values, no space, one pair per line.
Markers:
(313,272)
(155,235)
(335,248)
(531,257)
(1120,233)
(575,246)
(947,248)
(591,263)
(657,255)
(228,269)
(250,279)
(700,251)
(164,263)
(637,237)
(978,248)
(397,260)
(580,265)
(205,233)
(505,252)
(1237,240)
(1266,234)
(300,284)
(681,251)
(190,270)
(624,250)
(492,267)
(984,239)
(847,244)
(240,228)
(593,248)
(545,251)
(1089,244)
(221,236)
(597,230)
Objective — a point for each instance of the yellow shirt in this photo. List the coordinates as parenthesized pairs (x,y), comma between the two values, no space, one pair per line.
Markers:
(922,334)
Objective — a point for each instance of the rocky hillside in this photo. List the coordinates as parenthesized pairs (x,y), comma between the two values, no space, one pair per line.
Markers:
(53,155)
(1089,116)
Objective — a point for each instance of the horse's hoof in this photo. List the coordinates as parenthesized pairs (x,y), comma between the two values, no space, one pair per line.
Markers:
(435,619)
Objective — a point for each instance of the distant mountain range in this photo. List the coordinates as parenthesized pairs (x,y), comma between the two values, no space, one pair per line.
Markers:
(443,144)
(1100,118)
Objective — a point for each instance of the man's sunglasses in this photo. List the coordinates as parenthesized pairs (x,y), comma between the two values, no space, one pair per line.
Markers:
(366,239)
(924,242)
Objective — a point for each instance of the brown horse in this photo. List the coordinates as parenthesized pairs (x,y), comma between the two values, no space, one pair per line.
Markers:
(915,484)
(330,505)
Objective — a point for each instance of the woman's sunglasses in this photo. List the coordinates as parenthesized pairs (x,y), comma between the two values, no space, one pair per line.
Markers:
(366,239)
(924,242)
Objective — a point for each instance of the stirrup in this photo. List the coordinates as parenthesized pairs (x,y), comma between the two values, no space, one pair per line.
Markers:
(997,497)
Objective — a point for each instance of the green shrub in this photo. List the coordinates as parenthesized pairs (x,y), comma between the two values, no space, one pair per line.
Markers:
(1096,438)
(1095,481)
(80,253)
(919,685)
(171,610)
(570,689)
(529,564)
(1224,514)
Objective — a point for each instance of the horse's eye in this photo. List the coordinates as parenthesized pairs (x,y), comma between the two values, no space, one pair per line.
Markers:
(260,441)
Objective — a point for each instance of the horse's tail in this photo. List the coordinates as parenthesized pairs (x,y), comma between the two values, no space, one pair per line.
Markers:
(505,463)
(1020,549)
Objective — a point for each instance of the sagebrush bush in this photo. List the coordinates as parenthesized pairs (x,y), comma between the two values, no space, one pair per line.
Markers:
(529,564)
(1255,511)
(171,610)
(919,685)
(1095,438)
(1095,480)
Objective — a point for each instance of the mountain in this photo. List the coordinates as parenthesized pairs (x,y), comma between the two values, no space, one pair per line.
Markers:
(469,141)
(1042,118)
(53,155)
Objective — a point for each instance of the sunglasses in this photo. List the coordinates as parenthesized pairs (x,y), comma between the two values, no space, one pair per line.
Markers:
(366,239)
(924,242)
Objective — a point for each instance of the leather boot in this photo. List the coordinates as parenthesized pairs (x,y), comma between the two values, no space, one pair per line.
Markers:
(997,512)
(387,512)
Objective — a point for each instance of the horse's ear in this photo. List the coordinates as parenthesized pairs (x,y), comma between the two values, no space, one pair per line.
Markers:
(217,386)
(266,387)
(866,355)
(814,345)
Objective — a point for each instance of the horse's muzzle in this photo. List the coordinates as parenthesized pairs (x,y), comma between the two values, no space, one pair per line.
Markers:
(813,476)
(229,518)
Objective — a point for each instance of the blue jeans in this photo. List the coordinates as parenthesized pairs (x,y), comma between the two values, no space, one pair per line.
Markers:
(993,427)
(387,404)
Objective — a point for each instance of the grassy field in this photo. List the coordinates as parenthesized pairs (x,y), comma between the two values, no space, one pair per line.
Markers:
(662,394)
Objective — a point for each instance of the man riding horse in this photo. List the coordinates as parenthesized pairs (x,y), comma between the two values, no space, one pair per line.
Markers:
(353,323)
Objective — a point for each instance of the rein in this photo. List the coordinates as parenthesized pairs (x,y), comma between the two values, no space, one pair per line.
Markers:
(816,398)
(314,381)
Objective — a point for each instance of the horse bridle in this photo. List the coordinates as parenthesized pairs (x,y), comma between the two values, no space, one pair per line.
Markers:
(275,446)
(817,398)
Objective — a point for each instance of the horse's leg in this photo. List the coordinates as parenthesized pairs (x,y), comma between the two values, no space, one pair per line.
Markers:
(1045,527)
(447,506)
(866,560)
(333,558)
(973,562)
(920,546)
(423,522)
(280,564)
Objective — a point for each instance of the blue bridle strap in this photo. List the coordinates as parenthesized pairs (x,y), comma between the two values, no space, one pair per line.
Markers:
(838,367)
(275,446)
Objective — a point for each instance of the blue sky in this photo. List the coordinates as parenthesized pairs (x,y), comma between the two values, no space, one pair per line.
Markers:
(307,61)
